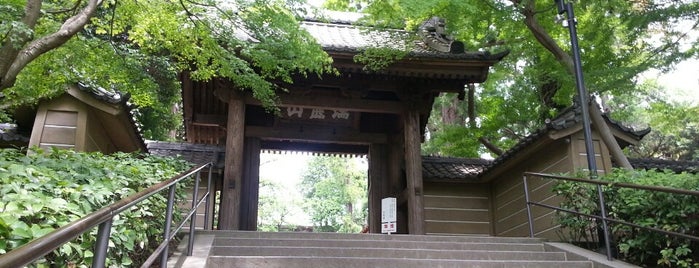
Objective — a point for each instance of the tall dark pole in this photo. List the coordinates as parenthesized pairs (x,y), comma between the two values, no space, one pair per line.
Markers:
(567,7)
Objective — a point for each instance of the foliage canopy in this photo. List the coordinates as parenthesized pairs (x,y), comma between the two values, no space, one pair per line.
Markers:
(139,47)
(619,39)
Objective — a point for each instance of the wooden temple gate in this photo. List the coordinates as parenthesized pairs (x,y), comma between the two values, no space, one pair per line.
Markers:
(381,114)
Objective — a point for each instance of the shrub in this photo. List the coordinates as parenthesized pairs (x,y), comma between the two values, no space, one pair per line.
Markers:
(671,212)
(46,190)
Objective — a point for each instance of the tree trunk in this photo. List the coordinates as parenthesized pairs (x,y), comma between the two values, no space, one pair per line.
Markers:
(608,137)
(566,60)
(13,61)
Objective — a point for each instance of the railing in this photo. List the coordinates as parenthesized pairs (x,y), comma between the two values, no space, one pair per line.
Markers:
(602,218)
(39,247)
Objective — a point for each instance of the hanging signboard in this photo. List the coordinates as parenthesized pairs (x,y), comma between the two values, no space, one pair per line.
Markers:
(388,215)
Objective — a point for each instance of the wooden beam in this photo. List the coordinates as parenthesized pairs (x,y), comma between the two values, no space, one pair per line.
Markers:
(330,103)
(315,134)
(233,171)
(413,173)
(331,148)
(378,176)
(607,137)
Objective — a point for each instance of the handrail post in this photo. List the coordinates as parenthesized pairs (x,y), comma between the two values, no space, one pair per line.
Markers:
(208,200)
(605,227)
(529,207)
(102,244)
(193,218)
(168,223)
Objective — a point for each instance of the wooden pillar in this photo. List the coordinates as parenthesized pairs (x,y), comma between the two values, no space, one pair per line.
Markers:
(378,176)
(233,171)
(250,185)
(395,182)
(413,173)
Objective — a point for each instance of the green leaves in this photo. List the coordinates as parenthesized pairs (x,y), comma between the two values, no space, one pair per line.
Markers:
(47,190)
(335,192)
(618,39)
(140,47)
(671,212)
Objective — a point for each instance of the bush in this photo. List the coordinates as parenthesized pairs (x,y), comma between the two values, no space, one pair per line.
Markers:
(671,212)
(46,190)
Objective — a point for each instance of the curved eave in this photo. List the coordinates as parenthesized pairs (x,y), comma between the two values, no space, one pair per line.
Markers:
(467,67)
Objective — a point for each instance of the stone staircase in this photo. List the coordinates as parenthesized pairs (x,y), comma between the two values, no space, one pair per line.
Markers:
(302,250)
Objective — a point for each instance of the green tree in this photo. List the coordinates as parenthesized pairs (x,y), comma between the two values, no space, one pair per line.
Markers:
(674,123)
(139,47)
(619,39)
(275,206)
(335,193)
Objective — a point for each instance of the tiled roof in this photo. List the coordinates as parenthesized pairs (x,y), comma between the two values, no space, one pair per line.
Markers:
(194,153)
(573,115)
(105,95)
(8,133)
(662,164)
(341,32)
(435,168)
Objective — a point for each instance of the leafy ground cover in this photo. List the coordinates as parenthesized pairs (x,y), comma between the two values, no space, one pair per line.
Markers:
(46,190)
(671,212)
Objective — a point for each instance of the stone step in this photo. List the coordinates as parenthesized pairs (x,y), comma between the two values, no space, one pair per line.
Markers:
(327,262)
(373,237)
(397,244)
(368,252)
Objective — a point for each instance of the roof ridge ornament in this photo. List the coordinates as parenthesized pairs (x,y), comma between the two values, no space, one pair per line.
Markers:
(432,32)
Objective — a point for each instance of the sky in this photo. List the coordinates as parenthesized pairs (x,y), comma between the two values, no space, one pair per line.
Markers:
(286,170)
(682,83)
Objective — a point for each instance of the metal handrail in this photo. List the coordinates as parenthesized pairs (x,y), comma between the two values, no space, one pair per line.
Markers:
(604,219)
(39,247)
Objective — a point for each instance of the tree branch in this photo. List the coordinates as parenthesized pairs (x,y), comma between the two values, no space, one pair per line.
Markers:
(490,146)
(10,50)
(544,37)
(44,44)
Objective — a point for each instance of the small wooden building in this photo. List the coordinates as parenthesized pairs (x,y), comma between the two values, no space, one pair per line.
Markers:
(83,119)
(488,199)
